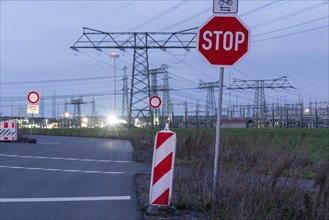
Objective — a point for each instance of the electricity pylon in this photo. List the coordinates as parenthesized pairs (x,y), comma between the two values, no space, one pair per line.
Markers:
(140,42)
(76,102)
(260,110)
(125,93)
(211,110)
(167,113)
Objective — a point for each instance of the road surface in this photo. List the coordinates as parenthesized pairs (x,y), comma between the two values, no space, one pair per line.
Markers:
(68,178)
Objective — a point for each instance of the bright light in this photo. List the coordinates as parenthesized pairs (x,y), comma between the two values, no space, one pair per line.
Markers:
(114,55)
(66,114)
(137,123)
(112,120)
(84,123)
(307,110)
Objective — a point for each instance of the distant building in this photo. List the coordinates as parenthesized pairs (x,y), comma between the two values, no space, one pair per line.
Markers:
(236,123)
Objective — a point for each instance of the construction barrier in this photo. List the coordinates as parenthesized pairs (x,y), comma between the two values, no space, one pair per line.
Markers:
(8,130)
(162,168)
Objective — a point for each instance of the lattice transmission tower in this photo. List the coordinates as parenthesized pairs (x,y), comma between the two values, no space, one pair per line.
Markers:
(167,107)
(155,88)
(140,42)
(125,93)
(211,110)
(54,105)
(76,102)
(259,108)
(93,119)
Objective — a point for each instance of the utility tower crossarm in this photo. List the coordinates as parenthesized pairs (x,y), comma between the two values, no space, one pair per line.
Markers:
(279,83)
(99,40)
(205,85)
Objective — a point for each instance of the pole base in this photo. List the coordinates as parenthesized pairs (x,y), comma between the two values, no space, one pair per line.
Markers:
(152,210)
(155,210)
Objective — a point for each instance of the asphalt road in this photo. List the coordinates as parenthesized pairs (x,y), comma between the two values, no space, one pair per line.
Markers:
(68,178)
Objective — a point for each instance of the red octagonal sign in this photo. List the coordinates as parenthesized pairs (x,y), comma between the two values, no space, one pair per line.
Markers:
(223,40)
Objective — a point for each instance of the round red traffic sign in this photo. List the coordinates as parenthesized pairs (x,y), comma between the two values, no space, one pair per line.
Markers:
(223,40)
(155,101)
(33,97)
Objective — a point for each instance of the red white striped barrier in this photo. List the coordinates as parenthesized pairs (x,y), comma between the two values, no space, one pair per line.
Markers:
(163,168)
(8,131)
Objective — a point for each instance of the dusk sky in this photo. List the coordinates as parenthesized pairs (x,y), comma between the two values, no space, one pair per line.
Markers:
(288,38)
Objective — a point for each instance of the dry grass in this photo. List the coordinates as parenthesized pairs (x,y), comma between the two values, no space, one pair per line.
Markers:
(248,197)
(253,180)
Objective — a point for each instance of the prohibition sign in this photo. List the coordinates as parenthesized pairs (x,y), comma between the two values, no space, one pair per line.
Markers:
(33,97)
(155,101)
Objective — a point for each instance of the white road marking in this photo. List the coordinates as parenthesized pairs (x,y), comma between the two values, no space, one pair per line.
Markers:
(66,199)
(16,167)
(34,168)
(87,160)
(49,169)
(61,170)
(55,158)
(50,143)
(65,158)
(72,171)
(71,158)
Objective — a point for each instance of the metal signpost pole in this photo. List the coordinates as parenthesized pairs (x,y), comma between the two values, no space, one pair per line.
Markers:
(222,51)
(218,125)
(33,98)
(31,124)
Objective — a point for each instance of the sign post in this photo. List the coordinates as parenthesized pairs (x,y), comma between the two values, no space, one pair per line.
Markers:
(218,124)
(33,97)
(222,41)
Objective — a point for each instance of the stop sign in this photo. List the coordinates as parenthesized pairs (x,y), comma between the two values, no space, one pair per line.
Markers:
(223,40)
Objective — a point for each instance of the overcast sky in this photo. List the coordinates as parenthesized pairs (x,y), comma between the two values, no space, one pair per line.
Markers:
(288,38)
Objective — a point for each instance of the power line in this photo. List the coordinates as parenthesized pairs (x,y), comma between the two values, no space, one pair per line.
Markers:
(57,80)
(266,6)
(188,19)
(290,34)
(112,13)
(263,71)
(246,75)
(252,11)
(181,3)
(289,15)
(292,26)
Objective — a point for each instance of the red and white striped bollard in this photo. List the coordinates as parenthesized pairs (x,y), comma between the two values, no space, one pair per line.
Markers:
(163,167)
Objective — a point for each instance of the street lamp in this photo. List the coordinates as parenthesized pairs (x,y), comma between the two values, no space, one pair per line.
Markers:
(114,55)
